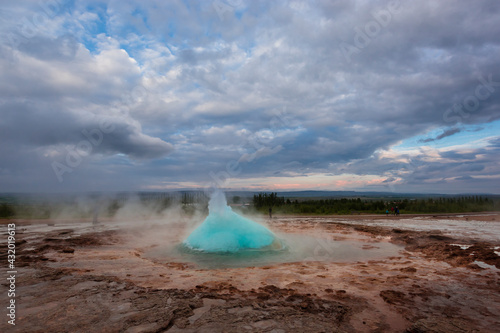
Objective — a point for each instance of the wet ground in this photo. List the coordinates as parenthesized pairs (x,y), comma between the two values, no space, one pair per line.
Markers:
(340,274)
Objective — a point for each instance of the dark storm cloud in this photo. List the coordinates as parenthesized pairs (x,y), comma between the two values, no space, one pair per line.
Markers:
(458,155)
(495,143)
(466,178)
(443,135)
(28,124)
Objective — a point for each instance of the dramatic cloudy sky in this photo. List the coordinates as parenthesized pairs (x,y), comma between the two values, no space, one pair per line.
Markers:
(326,95)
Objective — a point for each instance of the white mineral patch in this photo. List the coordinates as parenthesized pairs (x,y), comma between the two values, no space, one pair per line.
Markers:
(463,247)
(484,265)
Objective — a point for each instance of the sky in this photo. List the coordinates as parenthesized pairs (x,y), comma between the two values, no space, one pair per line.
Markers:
(396,96)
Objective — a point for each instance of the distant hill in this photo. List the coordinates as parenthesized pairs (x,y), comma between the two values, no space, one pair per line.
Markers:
(355,194)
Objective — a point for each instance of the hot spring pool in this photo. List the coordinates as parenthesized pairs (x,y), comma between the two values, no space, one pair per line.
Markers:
(226,239)
(295,248)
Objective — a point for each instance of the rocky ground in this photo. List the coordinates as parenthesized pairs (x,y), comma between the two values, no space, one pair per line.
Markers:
(75,277)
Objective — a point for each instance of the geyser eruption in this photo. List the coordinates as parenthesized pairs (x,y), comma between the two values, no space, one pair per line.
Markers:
(225,231)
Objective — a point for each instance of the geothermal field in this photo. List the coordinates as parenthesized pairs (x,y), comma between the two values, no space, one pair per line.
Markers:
(228,273)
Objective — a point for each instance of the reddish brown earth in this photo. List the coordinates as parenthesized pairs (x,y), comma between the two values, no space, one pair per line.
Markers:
(73,278)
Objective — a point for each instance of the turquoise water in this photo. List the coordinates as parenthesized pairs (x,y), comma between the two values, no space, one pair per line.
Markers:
(241,258)
(225,231)
(292,248)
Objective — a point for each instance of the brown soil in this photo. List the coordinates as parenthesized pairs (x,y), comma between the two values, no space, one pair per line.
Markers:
(101,281)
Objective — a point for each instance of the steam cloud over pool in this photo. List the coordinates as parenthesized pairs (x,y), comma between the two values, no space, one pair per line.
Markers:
(225,231)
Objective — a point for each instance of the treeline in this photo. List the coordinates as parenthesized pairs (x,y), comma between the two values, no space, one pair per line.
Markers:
(264,201)
(268,200)
(6,210)
(451,205)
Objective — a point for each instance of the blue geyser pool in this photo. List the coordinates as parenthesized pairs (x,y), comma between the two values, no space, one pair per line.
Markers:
(225,231)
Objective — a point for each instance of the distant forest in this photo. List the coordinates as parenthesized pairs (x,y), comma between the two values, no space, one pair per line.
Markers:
(263,201)
(145,204)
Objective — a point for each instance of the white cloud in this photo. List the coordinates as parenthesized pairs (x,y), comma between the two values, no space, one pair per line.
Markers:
(169,74)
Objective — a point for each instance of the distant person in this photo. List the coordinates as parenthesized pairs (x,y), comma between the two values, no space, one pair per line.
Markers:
(96,215)
(387,212)
(397,210)
(392,211)
(270,213)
